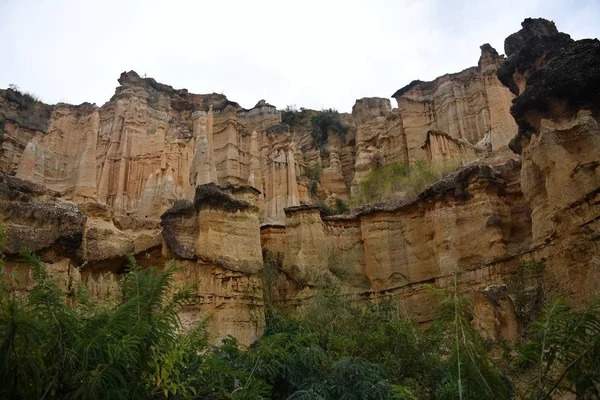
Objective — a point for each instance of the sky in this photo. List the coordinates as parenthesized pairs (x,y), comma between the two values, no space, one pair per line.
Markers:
(313,54)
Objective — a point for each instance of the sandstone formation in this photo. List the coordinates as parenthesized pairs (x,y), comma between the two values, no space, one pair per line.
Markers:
(468,105)
(557,108)
(147,147)
(494,314)
(35,220)
(165,174)
(217,240)
(380,137)
(440,146)
(473,223)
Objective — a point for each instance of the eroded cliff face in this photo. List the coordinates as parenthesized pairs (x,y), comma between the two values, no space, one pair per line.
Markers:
(169,175)
(557,108)
(471,105)
(473,223)
(380,136)
(216,238)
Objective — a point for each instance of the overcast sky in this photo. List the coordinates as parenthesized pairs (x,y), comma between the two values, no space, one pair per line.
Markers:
(315,54)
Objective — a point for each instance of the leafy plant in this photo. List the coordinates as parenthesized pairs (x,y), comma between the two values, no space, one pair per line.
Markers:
(341,207)
(292,116)
(526,289)
(399,180)
(324,122)
(472,375)
(564,349)
(53,349)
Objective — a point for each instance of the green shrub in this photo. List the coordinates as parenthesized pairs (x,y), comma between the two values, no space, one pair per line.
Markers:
(313,173)
(398,180)
(324,122)
(292,116)
(341,207)
(471,373)
(57,347)
(526,288)
(564,350)
(313,187)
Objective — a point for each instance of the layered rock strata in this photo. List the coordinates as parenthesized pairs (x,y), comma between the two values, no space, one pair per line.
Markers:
(470,105)
(557,108)
(473,223)
(148,146)
(166,174)
(216,238)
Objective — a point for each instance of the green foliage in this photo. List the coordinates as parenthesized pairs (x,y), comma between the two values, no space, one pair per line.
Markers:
(400,180)
(341,207)
(472,374)
(323,123)
(313,173)
(564,349)
(53,349)
(58,345)
(292,116)
(526,289)
(377,339)
(314,186)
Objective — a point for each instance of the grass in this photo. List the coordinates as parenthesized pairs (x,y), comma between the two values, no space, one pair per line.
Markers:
(400,181)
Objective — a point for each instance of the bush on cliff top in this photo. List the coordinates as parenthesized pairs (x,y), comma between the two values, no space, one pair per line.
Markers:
(400,181)
(323,123)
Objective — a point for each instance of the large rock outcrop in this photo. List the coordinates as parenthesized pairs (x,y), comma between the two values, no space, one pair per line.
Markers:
(166,174)
(380,136)
(468,105)
(557,109)
(473,223)
(217,240)
(148,146)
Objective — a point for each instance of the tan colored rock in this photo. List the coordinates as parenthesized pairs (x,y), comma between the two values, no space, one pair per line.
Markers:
(380,138)
(559,139)
(305,257)
(231,302)
(61,162)
(100,178)
(466,224)
(440,147)
(217,239)
(494,314)
(203,167)
(332,177)
(467,105)
(281,183)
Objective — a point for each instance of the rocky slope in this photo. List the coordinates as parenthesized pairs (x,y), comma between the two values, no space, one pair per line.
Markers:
(166,174)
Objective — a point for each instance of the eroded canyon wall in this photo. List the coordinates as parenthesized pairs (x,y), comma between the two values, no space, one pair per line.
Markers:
(473,223)
(471,105)
(557,109)
(166,174)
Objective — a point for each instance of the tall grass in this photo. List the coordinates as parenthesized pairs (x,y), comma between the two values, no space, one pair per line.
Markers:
(401,181)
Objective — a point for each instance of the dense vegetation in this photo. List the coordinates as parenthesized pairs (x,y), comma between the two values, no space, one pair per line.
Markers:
(66,345)
(399,180)
(322,122)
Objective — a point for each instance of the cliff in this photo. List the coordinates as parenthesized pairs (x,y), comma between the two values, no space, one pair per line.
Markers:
(165,174)
(472,105)
(557,108)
